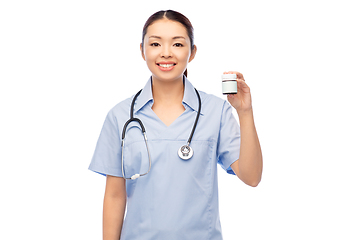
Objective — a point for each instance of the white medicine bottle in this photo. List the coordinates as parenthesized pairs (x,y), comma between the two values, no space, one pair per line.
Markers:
(229,84)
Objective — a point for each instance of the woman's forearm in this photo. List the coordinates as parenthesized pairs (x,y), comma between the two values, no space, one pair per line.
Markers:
(250,157)
(114,208)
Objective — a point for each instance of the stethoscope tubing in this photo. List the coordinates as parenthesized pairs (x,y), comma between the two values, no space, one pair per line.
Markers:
(135,176)
(132,119)
(197,118)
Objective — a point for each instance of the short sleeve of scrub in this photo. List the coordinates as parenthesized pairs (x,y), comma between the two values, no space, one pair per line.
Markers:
(229,139)
(107,156)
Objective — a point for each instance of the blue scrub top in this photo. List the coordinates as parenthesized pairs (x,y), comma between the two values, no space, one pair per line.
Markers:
(177,199)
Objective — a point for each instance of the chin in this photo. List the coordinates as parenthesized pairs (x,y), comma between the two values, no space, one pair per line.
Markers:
(167,76)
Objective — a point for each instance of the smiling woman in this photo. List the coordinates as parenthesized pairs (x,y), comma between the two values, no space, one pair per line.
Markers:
(167,47)
(176,195)
(177,18)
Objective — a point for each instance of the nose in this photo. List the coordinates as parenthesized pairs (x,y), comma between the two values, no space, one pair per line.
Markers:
(166,52)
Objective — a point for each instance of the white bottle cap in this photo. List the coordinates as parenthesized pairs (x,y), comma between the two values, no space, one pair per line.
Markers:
(229,76)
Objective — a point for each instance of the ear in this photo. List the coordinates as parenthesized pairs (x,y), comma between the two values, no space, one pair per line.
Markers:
(193,53)
(142,51)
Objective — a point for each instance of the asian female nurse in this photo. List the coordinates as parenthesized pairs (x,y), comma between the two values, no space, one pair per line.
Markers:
(163,208)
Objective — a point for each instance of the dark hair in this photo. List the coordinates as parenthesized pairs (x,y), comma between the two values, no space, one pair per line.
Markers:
(174,16)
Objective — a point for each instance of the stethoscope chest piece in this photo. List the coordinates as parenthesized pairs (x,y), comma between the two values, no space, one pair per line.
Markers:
(185,152)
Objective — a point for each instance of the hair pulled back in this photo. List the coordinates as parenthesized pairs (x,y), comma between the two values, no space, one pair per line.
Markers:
(174,16)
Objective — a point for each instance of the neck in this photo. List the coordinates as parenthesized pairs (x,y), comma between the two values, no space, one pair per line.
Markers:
(167,92)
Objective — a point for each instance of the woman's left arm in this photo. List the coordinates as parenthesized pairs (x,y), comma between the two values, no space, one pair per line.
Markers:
(249,166)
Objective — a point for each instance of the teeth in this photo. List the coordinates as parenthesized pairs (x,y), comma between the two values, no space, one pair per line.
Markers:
(166,65)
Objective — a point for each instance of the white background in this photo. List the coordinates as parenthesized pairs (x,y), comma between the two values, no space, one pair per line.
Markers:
(65,64)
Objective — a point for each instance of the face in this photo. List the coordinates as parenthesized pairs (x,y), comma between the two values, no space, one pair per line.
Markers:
(167,50)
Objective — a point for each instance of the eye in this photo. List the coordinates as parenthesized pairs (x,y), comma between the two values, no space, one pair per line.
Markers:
(155,44)
(178,45)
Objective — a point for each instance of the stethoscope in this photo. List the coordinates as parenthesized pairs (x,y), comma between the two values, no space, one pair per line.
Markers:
(185,152)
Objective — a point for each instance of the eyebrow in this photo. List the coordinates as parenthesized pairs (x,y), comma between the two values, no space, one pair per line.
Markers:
(176,37)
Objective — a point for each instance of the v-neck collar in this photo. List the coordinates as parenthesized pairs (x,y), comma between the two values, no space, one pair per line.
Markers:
(190,97)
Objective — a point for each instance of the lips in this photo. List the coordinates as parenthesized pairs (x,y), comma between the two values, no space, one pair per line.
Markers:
(166,66)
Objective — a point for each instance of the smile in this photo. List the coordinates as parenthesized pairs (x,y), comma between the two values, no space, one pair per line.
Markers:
(166,67)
